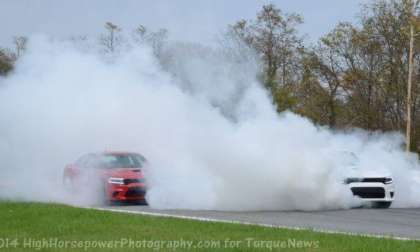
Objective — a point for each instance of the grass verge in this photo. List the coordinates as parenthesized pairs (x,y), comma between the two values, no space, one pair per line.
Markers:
(53,227)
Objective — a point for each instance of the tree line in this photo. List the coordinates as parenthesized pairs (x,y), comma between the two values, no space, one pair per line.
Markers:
(354,76)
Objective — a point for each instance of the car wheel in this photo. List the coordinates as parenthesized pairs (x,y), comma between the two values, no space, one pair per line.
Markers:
(68,184)
(382,204)
(104,197)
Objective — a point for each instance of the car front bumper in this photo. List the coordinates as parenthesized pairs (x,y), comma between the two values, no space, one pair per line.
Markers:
(373,191)
(131,192)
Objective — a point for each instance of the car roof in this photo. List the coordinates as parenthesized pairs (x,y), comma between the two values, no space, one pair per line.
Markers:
(118,153)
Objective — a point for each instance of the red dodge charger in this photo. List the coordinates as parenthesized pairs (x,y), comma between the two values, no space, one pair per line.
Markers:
(119,176)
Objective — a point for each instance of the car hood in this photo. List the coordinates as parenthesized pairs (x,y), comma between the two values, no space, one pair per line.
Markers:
(126,173)
(356,173)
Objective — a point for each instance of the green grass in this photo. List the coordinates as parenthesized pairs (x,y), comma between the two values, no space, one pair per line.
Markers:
(20,222)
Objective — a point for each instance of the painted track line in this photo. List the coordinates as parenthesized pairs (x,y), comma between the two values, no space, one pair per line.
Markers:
(204,219)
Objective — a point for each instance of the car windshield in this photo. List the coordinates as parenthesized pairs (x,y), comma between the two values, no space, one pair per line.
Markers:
(349,158)
(109,161)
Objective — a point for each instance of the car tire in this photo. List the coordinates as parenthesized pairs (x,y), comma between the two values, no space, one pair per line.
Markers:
(68,184)
(104,197)
(382,204)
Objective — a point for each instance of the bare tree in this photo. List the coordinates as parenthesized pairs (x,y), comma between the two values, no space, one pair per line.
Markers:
(20,43)
(155,39)
(112,39)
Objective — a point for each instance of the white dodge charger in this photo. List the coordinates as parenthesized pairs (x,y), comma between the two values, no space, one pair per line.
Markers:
(372,187)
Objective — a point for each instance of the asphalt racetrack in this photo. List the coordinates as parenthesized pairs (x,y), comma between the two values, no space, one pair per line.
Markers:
(398,223)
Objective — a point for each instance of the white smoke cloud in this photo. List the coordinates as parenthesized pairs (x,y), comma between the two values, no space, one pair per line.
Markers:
(209,130)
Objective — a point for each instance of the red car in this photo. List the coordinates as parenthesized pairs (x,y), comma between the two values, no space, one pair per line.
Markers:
(119,176)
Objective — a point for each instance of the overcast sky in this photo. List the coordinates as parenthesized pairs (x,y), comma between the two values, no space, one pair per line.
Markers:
(192,20)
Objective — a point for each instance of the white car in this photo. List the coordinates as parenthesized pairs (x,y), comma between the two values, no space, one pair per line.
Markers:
(372,187)
(377,190)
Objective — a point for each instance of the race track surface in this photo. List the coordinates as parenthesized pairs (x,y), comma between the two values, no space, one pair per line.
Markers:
(400,223)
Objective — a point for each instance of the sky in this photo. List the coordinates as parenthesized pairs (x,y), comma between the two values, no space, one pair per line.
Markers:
(187,20)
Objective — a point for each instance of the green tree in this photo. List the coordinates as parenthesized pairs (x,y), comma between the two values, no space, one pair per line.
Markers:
(6,62)
(274,36)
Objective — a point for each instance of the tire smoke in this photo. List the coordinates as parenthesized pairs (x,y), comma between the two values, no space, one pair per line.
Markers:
(209,130)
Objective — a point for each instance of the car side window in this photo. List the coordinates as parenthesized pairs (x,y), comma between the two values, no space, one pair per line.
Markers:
(79,161)
(85,160)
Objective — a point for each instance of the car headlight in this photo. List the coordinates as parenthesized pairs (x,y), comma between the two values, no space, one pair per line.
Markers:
(388,181)
(116,181)
(352,180)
